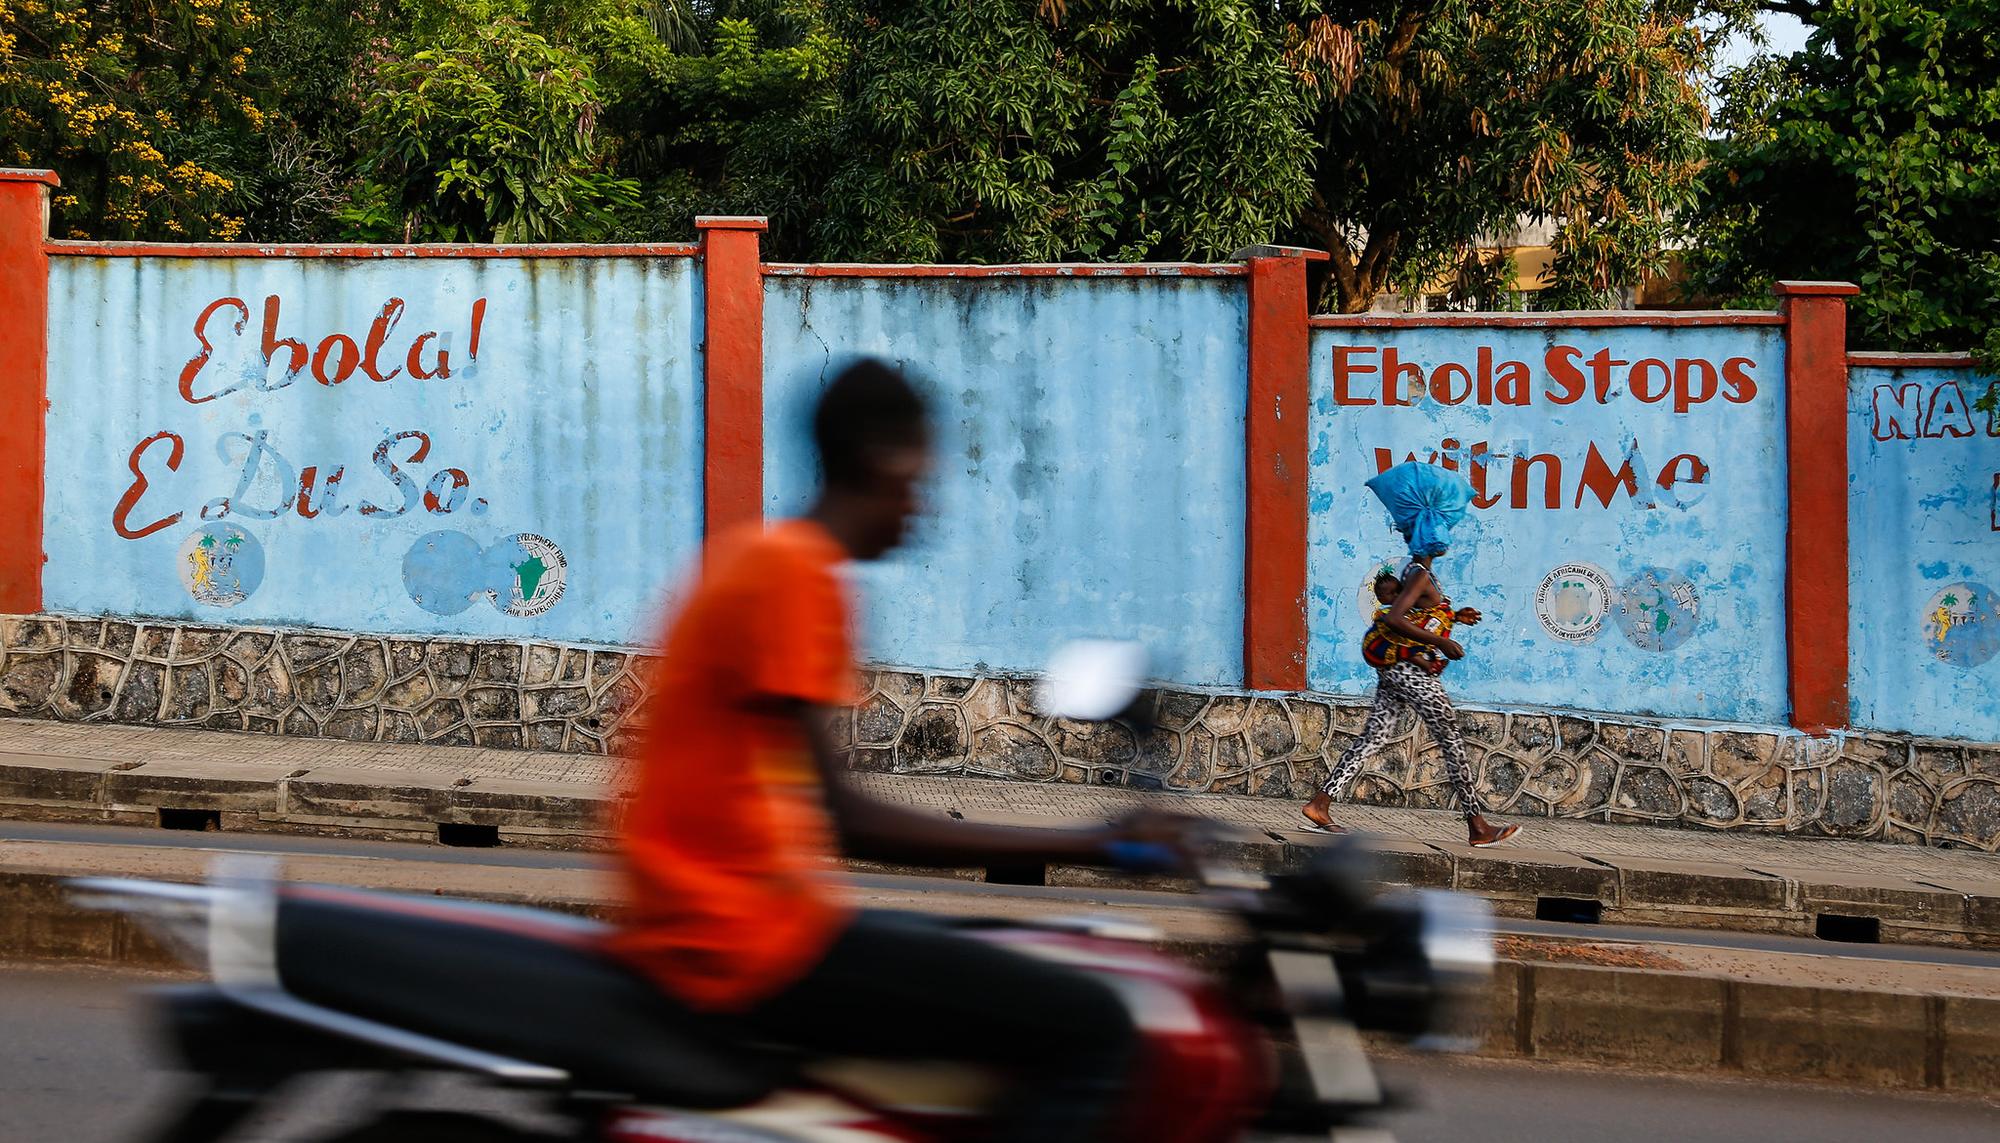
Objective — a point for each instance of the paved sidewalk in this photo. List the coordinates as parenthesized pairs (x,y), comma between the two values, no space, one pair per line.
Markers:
(1635,874)
(1281,816)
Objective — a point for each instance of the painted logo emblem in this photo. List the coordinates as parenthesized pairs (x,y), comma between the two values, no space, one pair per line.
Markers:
(1962,624)
(1574,601)
(220,565)
(1658,609)
(539,573)
(523,575)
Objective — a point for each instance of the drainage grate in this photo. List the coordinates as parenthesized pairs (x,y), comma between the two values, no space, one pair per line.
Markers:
(1848,930)
(468,836)
(1569,910)
(199,820)
(1028,874)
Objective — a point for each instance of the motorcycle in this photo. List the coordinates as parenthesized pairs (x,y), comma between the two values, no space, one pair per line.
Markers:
(308,979)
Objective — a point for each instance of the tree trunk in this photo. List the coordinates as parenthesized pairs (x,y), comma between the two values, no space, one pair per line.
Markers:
(1341,286)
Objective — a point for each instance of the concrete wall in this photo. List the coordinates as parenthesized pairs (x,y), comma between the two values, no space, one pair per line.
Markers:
(1090,476)
(531,443)
(1924,505)
(440,411)
(1628,542)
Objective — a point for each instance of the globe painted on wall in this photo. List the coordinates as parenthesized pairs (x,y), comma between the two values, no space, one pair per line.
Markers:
(523,575)
(1962,624)
(1658,609)
(443,572)
(220,565)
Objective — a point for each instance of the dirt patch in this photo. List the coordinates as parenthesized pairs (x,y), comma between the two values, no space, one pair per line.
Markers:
(1603,954)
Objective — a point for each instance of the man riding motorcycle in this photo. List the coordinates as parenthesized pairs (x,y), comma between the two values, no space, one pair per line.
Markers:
(730,836)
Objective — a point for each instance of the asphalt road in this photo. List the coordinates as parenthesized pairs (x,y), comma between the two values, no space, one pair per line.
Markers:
(75,1067)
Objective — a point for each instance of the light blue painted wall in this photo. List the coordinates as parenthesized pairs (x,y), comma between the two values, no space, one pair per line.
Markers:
(1924,560)
(580,422)
(1724,537)
(1090,471)
(1091,476)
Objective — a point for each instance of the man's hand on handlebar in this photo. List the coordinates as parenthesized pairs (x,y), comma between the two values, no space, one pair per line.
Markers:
(1153,841)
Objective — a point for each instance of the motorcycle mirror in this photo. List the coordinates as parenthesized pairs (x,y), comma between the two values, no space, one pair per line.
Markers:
(1093,680)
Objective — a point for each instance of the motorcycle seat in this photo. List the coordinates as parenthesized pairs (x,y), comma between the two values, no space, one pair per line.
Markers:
(522,983)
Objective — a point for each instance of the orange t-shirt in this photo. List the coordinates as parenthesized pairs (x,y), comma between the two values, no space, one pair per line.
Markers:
(726,841)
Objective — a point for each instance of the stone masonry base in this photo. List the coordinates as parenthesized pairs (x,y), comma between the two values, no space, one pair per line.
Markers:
(541,696)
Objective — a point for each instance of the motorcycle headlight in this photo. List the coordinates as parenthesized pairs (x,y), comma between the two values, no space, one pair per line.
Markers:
(1422,969)
(1457,942)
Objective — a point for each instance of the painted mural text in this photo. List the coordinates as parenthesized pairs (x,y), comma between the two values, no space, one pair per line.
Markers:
(1523,479)
(1911,411)
(334,359)
(1372,375)
(1520,477)
(269,485)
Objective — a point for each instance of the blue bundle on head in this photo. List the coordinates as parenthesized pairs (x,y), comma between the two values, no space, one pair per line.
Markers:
(1425,501)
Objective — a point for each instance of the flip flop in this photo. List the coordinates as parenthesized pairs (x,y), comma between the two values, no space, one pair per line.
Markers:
(1505,833)
(1325,827)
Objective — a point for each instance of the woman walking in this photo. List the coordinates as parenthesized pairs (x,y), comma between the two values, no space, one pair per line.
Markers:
(1410,644)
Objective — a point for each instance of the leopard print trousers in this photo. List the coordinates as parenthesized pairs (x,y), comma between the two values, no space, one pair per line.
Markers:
(1408,685)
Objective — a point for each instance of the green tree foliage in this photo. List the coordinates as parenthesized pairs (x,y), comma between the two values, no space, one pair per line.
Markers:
(312,69)
(740,118)
(1873,156)
(1121,129)
(1442,121)
(148,111)
(483,125)
(1395,132)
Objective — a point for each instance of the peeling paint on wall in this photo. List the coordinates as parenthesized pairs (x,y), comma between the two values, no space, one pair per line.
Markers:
(1090,462)
(1924,511)
(1627,547)
(318,421)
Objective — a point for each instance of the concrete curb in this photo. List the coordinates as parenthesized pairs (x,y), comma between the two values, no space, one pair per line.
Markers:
(351,801)
(1687,1022)
(1782,900)
(39,922)
(325,800)
(1641,1018)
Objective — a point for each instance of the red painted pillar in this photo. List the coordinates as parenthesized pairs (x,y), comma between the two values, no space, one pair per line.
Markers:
(1816,464)
(24,382)
(732,371)
(1274,540)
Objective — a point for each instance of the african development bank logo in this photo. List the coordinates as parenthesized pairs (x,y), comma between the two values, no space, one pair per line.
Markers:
(539,575)
(523,575)
(1573,602)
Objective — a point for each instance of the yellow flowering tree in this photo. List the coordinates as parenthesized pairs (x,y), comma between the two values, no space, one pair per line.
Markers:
(144,107)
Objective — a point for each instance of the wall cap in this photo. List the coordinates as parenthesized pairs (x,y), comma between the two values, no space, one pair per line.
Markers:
(1576,319)
(64,248)
(29,175)
(1264,250)
(1006,270)
(732,222)
(1893,359)
(1815,289)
